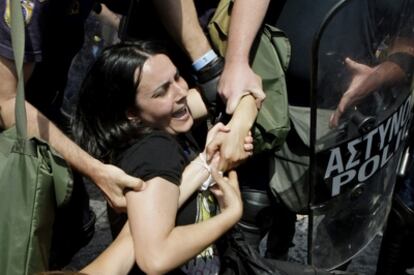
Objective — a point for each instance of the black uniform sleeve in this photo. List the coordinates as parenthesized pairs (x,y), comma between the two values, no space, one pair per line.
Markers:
(395,17)
(156,155)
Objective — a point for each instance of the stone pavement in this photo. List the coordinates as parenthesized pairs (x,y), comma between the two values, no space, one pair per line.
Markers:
(102,237)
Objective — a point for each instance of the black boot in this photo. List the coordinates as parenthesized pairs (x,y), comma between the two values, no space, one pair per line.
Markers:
(396,253)
(263,215)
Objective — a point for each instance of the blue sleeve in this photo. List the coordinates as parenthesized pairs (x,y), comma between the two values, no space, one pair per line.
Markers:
(32,12)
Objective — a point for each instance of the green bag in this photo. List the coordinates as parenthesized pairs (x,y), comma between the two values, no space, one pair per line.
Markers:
(270,56)
(34,180)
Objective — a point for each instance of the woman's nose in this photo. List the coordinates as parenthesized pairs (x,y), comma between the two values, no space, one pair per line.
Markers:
(180,90)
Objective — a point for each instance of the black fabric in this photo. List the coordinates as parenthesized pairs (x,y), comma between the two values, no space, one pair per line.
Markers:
(395,254)
(274,218)
(405,61)
(356,31)
(155,155)
(239,258)
(144,23)
(61,37)
(396,247)
(158,154)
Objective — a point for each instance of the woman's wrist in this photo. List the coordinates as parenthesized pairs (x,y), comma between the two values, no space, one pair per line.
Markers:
(201,160)
(232,213)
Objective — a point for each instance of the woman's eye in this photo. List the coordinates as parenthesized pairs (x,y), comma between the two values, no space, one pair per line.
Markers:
(160,92)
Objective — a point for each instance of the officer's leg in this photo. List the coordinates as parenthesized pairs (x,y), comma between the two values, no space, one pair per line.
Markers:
(255,219)
(263,213)
(396,253)
(281,232)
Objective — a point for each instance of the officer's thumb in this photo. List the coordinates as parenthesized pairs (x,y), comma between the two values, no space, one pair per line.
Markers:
(258,95)
(231,105)
(134,183)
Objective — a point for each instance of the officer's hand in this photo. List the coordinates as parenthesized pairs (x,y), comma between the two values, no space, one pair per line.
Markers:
(236,80)
(363,82)
(113,182)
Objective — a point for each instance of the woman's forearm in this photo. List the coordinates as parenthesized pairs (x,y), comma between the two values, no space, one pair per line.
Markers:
(193,177)
(117,259)
(245,114)
(152,218)
(184,242)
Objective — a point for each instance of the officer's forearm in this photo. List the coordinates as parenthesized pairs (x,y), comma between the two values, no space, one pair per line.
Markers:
(180,19)
(246,18)
(41,127)
(196,104)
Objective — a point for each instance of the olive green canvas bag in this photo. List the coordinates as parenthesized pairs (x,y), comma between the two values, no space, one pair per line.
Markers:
(269,58)
(34,180)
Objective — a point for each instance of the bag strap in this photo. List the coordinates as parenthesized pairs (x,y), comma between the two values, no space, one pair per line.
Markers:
(61,174)
(18,42)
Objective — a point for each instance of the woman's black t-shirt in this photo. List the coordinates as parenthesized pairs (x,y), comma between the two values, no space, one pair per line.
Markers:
(160,154)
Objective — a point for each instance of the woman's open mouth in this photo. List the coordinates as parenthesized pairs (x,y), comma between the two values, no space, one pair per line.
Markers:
(181,113)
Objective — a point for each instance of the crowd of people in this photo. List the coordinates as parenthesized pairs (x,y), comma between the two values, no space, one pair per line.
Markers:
(163,123)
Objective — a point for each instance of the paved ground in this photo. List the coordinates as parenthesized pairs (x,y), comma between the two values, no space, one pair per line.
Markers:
(102,237)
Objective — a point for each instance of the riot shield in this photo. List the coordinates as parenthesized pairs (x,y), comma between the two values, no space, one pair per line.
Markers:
(352,167)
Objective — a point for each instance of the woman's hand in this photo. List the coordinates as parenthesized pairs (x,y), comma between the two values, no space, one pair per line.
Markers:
(248,144)
(233,147)
(216,129)
(221,129)
(227,192)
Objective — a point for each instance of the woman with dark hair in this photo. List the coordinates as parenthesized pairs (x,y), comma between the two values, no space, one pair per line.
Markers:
(133,111)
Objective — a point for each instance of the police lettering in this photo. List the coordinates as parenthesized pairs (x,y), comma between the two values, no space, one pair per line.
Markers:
(359,159)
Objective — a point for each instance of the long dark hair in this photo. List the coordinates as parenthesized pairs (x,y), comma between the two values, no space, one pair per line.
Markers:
(100,124)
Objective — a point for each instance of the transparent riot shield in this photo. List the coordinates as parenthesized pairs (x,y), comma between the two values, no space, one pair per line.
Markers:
(353,165)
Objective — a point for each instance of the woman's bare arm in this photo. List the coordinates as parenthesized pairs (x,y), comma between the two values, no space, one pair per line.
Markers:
(152,215)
